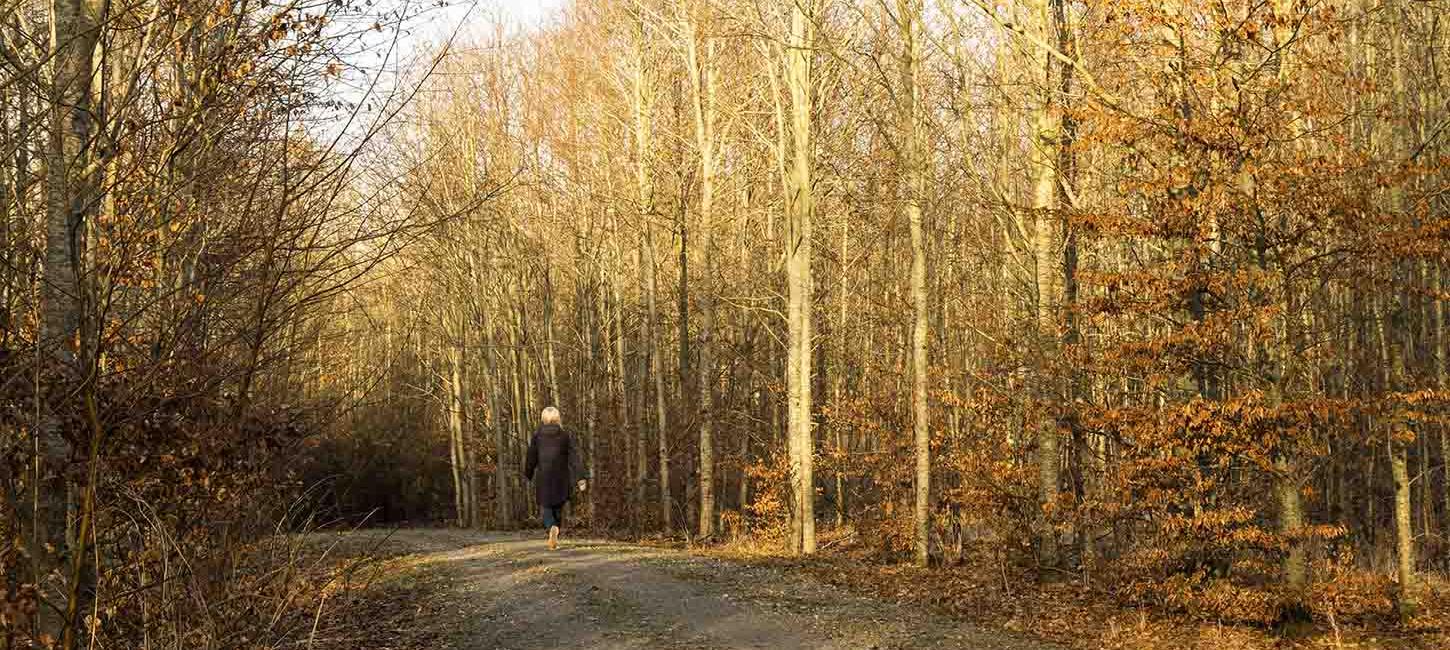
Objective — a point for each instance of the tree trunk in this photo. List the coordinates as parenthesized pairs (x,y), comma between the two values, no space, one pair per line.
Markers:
(1291,522)
(1400,347)
(521,415)
(1440,358)
(646,352)
(553,375)
(702,80)
(468,425)
(685,374)
(644,195)
(1046,239)
(503,508)
(838,428)
(456,454)
(1404,536)
(913,165)
(72,192)
(799,208)
(621,406)
(652,328)
(8,186)
(682,304)
(591,408)
(1394,345)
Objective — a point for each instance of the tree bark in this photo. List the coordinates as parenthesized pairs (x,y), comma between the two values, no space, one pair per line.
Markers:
(645,352)
(1400,346)
(799,208)
(1394,345)
(913,164)
(503,508)
(1404,537)
(621,404)
(644,196)
(839,381)
(1440,358)
(8,188)
(656,368)
(1046,238)
(702,81)
(456,454)
(73,190)
(549,297)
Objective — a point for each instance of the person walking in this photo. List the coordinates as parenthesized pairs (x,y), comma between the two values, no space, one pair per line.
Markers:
(554,463)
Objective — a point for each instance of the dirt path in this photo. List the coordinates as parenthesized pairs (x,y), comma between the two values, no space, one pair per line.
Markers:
(507,591)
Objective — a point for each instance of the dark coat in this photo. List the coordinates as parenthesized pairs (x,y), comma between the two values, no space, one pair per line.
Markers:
(554,464)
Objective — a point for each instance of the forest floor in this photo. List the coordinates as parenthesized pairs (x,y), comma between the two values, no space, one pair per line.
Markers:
(412,589)
(483,591)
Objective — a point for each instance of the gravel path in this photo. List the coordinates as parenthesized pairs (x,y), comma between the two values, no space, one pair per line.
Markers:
(507,591)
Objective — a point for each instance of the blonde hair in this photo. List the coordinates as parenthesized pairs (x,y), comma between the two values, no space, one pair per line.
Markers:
(550,416)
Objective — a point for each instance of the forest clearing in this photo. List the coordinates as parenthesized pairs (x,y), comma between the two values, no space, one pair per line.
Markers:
(807,323)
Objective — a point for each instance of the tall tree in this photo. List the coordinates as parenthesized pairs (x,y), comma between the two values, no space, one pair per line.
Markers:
(700,63)
(913,165)
(800,206)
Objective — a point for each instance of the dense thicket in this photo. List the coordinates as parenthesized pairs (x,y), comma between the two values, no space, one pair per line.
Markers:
(1152,292)
(182,210)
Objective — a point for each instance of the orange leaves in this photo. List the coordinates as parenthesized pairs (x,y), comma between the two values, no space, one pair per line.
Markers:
(769,509)
(1207,524)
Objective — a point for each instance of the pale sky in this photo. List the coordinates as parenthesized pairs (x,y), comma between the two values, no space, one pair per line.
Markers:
(427,25)
(524,14)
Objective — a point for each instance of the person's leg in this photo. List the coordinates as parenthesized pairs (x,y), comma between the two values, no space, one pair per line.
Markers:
(551,521)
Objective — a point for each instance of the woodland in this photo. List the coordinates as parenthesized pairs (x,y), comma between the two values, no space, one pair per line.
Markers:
(1145,298)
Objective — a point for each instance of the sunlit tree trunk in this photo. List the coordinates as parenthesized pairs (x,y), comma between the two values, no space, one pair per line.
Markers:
(913,166)
(1400,344)
(799,208)
(1395,344)
(701,68)
(1047,241)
